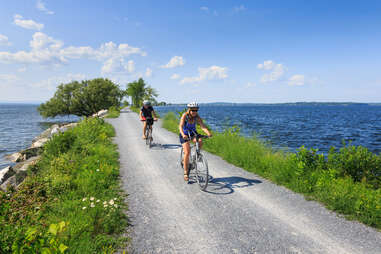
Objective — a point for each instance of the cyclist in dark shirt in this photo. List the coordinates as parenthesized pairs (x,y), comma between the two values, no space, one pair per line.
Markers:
(146,113)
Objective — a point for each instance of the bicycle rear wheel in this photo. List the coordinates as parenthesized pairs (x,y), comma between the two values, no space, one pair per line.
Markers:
(202,172)
(147,136)
(150,139)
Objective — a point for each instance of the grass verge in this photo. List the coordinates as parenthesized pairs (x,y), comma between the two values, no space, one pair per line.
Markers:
(71,201)
(347,181)
(113,112)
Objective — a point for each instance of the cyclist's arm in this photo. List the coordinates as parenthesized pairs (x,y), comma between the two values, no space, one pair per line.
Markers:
(154,114)
(181,125)
(203,127)
(141,115)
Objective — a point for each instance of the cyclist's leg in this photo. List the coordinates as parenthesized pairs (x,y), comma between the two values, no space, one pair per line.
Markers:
(186,150)
(144,129)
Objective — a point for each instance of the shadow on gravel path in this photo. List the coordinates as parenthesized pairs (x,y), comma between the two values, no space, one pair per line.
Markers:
(226,185)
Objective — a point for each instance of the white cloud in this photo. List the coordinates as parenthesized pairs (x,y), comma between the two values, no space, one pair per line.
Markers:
(148,72)
(210,73)
(27,24)
(52,82)
(296,80)
(4,41)
(117,65)
(250,84)
(204,8)
(267,65)
(239,8)
(174,62)
(41,6)
(175,76)
(48,51)
(8,78)
(22,69)
(277,71)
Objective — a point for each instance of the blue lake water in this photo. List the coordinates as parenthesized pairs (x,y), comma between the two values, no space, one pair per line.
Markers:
(284,126)
(19,125)
(292,126)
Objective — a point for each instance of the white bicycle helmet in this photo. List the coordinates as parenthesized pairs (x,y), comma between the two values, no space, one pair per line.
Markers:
(193,105)
(146,103)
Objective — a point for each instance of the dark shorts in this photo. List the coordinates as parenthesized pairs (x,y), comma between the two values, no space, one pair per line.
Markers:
(182,140)
(148,120)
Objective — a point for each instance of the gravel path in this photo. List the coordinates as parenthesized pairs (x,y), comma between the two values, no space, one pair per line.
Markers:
(240,212)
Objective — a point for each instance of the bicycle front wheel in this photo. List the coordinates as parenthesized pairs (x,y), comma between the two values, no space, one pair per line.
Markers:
(202,172)
(150,139)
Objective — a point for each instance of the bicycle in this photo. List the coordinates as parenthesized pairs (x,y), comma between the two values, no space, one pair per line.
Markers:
(148,133)
(198,162)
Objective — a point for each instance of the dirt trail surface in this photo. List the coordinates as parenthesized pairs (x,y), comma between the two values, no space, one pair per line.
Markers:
(240,212)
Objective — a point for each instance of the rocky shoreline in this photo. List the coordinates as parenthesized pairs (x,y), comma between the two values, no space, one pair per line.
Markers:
(13,176)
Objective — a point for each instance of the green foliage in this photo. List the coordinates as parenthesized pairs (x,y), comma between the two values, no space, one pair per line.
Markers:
(347,181)
(49,242)
(82,99)
(76,181)
(113,112)
(138,91)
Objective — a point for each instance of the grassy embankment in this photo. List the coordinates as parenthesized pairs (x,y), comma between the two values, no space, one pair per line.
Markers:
(71,200)
(347,181)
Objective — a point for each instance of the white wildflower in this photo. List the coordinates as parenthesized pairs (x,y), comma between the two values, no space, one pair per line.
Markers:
(105,205)
(116,206)
(115,198)
(105,202)
(98,201)
(97,169)
(92,198)
(92,204)
(84,199)
(83,208)
(111,202)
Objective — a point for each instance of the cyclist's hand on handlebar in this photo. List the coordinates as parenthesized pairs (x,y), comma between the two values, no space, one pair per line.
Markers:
(155,119)
(185,137)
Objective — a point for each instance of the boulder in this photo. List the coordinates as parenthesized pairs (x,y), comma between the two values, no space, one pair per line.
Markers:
(28,153)
(5,173)
(39,143)
(55,130)
(13,157)
(101,113)
(23,166)
(11,181)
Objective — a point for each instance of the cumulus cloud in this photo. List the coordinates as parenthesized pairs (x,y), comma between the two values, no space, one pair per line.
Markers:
(276,71)
(175,76)
(46,50)
(174,62)
(41,6)
(27,23)
(210,73)
(52,82)
(8,78)
(250,84)
(118,65)
(148,72)
(4,41)
(296,80)
(239,8)
(204,8)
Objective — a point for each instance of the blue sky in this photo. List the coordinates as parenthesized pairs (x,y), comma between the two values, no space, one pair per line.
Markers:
(208,51)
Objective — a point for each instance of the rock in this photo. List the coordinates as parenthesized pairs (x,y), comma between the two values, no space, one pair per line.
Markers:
(39,143)
(55,130)
(11,181)
(101,113)
(14,157)
(5,173)
(28,153)
(23,166)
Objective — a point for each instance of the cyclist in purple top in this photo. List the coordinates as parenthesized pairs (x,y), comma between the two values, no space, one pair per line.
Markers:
(187,128)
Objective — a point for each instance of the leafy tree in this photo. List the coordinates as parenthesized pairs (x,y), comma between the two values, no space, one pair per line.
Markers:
(82,99)
(138,91)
